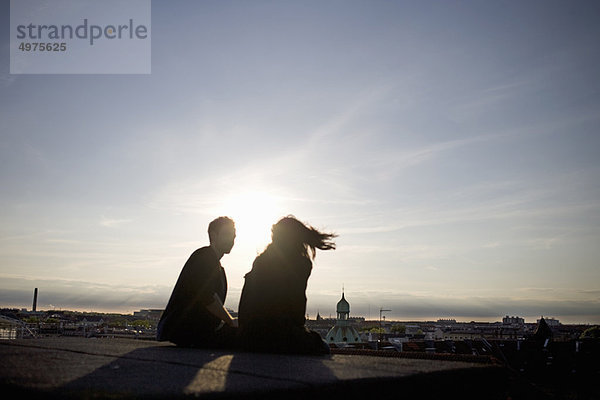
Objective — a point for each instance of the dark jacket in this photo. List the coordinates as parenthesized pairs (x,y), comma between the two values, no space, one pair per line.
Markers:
(273,305)
(186,319)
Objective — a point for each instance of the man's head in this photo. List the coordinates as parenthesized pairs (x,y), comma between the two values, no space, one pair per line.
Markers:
(221,233)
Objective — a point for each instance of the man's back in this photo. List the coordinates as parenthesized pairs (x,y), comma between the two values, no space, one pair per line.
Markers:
(186,319)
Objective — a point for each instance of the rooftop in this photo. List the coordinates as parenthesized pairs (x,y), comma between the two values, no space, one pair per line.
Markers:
(64,367)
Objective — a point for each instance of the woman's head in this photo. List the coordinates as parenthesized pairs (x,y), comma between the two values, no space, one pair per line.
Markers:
(292,235)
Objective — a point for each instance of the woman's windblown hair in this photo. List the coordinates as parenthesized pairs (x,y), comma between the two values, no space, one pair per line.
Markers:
(291,235)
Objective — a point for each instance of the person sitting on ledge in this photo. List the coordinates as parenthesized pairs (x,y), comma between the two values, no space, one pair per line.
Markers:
(195,315)
(273,300)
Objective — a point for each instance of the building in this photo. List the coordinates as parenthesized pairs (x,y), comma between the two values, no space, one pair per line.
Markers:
(343,332)
(513,321)
(447,321)
(552,322)
(440,334)
(91,321)
(152,315)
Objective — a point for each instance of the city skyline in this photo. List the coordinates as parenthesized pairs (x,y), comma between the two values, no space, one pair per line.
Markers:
(451,146)
(328,314)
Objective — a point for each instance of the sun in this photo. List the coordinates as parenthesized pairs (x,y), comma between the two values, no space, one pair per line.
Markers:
(254,213)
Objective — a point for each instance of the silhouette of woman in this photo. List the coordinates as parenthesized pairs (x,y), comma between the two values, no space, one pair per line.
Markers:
(273,301)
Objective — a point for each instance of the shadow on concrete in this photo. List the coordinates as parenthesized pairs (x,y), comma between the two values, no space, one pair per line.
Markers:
(174,372)
(260,375)
(164,371)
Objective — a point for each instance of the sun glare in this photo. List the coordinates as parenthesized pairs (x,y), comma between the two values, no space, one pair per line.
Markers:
(254,213)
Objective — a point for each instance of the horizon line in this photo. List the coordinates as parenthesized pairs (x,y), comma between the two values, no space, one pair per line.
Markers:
(418,319)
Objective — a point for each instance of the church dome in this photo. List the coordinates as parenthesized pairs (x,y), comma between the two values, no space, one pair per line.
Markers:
(343,332)
(343,306)
(343,335)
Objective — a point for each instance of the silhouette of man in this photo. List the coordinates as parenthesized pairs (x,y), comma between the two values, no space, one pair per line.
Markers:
(195,315)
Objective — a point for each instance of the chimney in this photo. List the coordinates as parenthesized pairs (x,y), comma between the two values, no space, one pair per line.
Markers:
(35,291)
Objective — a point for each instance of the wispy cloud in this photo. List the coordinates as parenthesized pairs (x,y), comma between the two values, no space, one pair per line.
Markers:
(389,163)
(431,216)
(516,201)
(113,222)
(336,128)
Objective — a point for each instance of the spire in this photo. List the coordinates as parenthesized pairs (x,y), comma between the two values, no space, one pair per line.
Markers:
(343,307)
(542,331)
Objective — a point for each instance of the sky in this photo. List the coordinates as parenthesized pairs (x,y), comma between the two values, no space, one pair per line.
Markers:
(452,146)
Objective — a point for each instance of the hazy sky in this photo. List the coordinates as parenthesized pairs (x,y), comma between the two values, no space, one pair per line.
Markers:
(453,146)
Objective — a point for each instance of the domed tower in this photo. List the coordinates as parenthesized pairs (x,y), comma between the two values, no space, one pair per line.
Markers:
(343,333)
(343,309)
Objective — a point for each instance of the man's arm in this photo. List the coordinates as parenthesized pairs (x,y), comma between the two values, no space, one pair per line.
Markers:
(217,309)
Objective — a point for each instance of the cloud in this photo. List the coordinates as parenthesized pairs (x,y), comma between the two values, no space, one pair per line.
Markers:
(113,223)
(81,295)
(518,204)
(488,99)
(334,128)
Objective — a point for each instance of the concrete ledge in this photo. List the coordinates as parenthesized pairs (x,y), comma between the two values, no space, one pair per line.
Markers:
(56,367)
